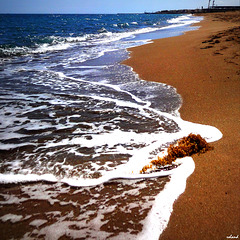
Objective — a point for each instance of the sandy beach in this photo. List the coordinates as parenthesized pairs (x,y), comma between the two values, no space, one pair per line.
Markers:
(203,66)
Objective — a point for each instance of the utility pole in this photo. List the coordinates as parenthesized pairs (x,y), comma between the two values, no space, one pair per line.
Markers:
(209,4)
(213,3)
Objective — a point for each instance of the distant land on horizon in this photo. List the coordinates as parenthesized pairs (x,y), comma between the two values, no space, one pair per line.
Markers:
(198,10)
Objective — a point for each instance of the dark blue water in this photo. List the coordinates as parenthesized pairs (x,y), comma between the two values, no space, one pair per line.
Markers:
(22,33)
(34,30)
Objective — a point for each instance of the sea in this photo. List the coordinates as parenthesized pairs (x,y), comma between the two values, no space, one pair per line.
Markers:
(77,127)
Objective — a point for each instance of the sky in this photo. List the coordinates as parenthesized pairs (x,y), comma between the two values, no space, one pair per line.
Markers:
(103,6)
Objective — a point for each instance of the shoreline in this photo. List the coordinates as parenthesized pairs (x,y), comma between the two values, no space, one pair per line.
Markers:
(207,62)
(38,209)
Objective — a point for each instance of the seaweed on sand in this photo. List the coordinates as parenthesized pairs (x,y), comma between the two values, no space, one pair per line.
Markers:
(185,146)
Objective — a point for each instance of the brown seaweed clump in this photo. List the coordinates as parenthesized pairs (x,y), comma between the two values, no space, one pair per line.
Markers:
(185,146)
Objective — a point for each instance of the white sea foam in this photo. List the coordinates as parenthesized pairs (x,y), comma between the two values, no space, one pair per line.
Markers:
(11,217)
(159,215)
(16,178)
(180,19)
(183,21)
(131,169)
(37,223)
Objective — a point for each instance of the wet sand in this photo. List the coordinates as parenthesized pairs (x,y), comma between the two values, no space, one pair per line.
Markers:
(203,66)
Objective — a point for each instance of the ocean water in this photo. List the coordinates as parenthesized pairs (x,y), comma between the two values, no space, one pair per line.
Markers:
(76,126)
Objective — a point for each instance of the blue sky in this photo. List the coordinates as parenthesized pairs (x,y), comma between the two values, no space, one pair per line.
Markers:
(102,6)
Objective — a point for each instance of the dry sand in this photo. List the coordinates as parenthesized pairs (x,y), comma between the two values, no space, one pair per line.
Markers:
(204,67)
